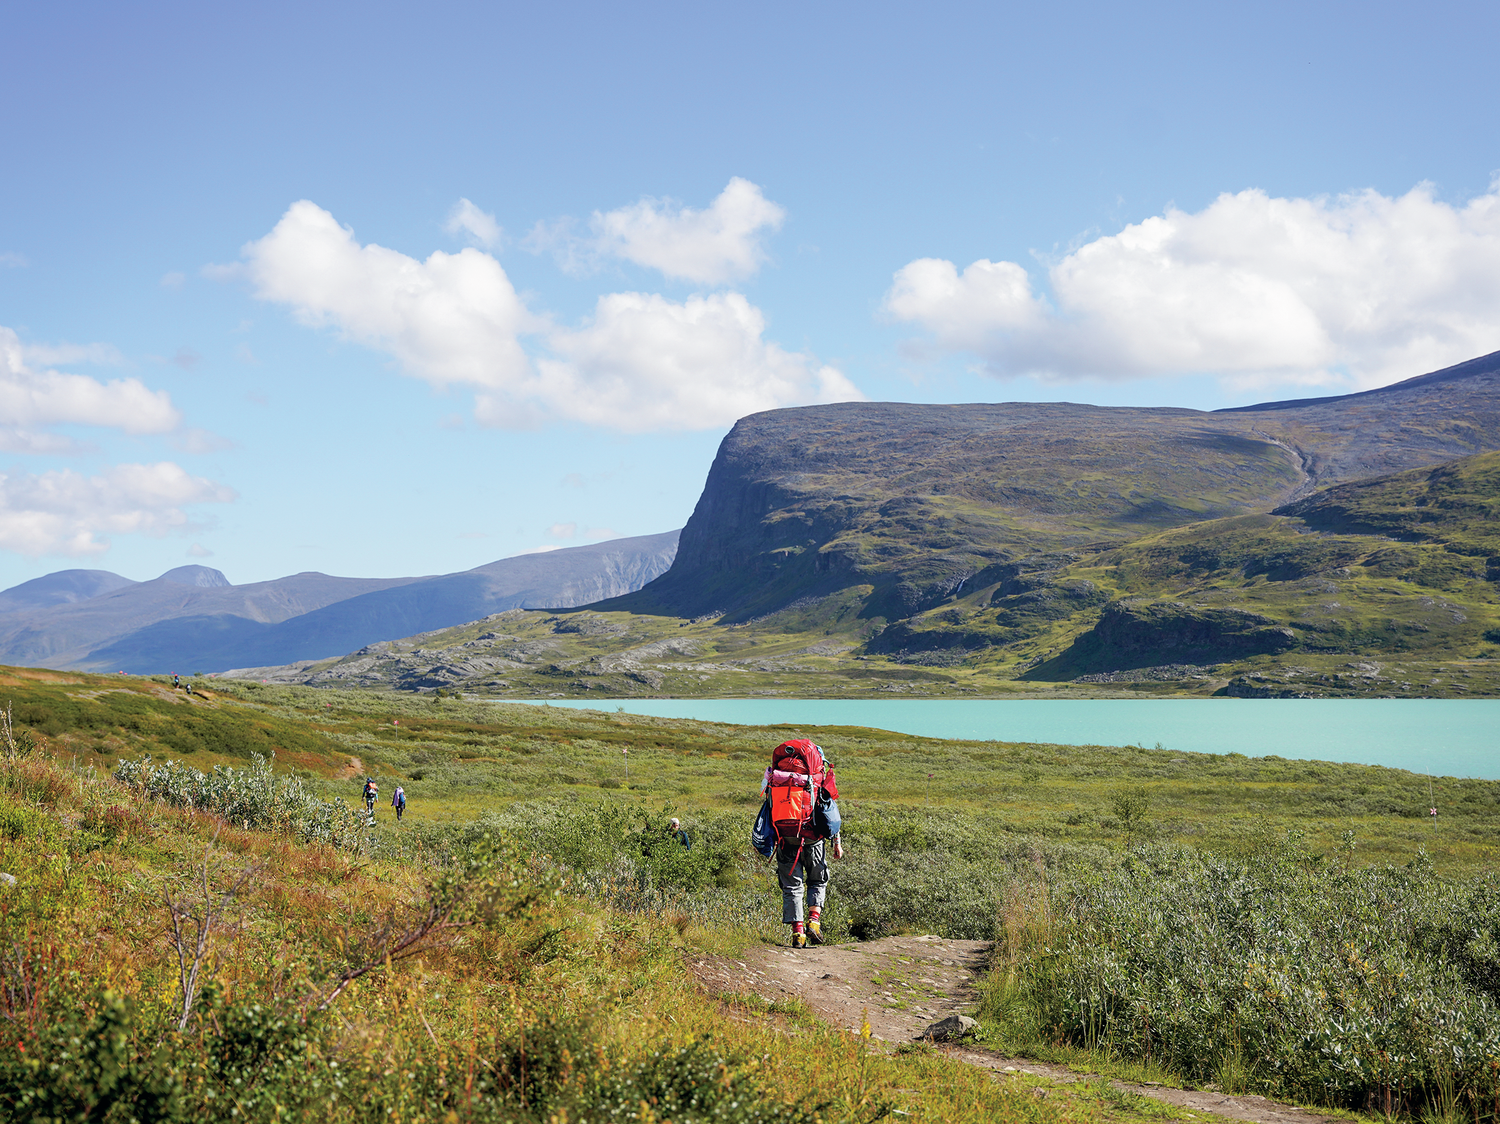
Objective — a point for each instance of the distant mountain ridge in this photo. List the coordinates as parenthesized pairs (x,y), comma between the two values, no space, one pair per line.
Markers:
(192,619)
(61,588)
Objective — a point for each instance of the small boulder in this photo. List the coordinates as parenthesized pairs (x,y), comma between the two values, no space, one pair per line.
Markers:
(954,1026)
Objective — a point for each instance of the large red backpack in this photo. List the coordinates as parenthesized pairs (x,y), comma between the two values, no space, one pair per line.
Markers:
(796,778)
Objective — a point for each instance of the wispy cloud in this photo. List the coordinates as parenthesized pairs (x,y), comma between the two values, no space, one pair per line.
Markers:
(720,243)
(93,354)
(67,512)
(479,227)
(200,442)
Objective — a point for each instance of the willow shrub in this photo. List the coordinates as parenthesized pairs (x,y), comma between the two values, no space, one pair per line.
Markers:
(252,797)
(108,1059)
(905,870)
(1375,988)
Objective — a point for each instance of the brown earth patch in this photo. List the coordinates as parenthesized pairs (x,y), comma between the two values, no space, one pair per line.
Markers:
(16,676)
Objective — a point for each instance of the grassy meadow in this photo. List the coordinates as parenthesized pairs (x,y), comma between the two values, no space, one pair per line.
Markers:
(225,939)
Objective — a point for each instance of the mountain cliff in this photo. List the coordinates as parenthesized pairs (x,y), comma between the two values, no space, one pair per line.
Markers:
(913,501)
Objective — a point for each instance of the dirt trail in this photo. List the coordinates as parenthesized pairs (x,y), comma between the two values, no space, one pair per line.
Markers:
(904,984)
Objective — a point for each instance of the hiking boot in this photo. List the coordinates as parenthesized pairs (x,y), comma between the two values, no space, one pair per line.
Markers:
(799,940)
(815,932)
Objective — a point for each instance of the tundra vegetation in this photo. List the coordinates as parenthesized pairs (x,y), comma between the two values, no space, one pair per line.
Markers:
(202,926)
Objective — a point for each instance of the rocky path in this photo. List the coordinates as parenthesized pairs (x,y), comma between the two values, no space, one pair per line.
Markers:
(905,984)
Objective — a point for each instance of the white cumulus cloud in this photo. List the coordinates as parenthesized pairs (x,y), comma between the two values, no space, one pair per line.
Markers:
(1360,289)
(65,512)
(646,362)
(454,318)
(478,226)
(708,247)
(643,362)
(32,399)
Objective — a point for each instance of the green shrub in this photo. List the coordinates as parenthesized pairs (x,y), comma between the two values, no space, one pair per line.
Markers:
(1374,988)
(20,822)
(254,797)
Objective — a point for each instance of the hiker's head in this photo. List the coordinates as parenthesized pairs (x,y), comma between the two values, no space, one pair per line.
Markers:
(675,823)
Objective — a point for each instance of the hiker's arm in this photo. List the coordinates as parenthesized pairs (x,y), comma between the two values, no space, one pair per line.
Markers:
(838,847)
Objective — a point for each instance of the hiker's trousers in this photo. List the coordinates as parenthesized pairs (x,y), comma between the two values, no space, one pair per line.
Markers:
(795,872)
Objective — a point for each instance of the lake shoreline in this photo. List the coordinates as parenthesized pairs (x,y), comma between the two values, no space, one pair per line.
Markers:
(1434,737)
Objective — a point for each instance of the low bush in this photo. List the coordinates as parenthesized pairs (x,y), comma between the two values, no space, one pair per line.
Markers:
(109,1060)
(1374,988)
(254,797)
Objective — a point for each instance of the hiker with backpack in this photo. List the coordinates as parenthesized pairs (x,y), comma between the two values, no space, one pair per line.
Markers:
(398,802)
(372,791)
(798,819)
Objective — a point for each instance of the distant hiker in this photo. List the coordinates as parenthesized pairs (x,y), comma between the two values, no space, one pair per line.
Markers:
(372,791)
(176,682)
(800,813)
(674,829)
(398,802)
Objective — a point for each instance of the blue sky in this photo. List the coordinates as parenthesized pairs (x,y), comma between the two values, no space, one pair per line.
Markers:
(224,337)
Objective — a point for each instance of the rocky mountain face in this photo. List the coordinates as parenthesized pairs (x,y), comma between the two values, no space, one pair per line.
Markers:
(193,619)
(915,501)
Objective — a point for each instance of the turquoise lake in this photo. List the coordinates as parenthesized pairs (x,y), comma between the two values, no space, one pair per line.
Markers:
(1443,737)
